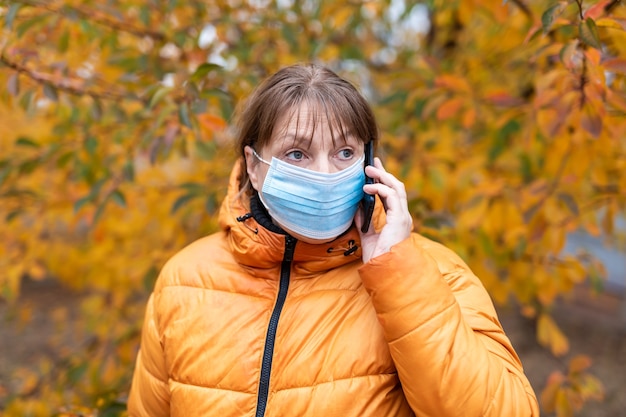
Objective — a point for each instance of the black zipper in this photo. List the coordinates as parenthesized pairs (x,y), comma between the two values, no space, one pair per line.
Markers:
(268,352)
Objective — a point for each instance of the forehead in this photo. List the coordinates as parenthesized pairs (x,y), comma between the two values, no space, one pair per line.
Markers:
(309,121)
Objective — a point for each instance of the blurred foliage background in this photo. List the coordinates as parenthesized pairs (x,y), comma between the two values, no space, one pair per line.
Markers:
(505,119)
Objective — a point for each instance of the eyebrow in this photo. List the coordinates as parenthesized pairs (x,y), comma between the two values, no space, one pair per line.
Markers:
(299,138)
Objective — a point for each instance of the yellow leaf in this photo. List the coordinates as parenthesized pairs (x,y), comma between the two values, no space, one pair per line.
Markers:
(549,122)
(549,335)
(555,211)
(36,271)
(472,215)
(342,16)
(563,405)
(591,388)
(610,23)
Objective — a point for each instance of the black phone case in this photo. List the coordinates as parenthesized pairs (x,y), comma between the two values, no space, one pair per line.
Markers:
(369,200)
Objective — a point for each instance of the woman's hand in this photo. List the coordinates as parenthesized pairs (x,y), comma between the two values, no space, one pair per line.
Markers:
(399,223)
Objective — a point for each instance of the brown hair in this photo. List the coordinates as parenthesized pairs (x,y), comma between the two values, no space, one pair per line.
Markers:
(284,92)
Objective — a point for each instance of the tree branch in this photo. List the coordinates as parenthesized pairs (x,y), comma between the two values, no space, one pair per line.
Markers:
(68,85)
(97,17)
(524,8)
(609,7)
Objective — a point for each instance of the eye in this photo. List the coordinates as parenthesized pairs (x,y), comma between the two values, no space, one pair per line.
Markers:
(295,155)
(345,153)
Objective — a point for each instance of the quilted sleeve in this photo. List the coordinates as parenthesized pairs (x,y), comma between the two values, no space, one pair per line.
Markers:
(450,351)
(149,393)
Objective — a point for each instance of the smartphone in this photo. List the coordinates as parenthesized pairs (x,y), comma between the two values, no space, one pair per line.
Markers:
(368,200)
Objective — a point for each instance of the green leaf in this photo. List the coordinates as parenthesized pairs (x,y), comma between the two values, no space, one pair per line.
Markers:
(27,142)
(206,150)
(588,32)
(210,204)
(181,201)
(193,187)
(27,102)
(144,15)
(91,145)
(203,70)
(96,109)
(82,201)
(64,41)
(64,159)
(183,115)
(50,92)
(129,170)
(10,16)
(549,16)
(4,174)
(158,96)
(12,215)
(27,24)
(118,198)
(28,166)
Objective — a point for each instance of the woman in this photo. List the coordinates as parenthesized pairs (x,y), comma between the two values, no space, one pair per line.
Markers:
(293,310)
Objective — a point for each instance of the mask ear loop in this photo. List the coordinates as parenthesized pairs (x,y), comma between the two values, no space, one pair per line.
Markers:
(259,157)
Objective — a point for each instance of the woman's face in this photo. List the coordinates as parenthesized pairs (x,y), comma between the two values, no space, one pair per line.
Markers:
(302,140)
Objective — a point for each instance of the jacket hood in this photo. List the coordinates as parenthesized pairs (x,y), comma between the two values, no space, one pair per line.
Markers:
(256,242)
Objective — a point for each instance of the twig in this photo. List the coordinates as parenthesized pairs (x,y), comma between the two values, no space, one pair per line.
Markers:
(97,17)
(583,82)
(524,8)
(70,86)
(580,9)
(609,7)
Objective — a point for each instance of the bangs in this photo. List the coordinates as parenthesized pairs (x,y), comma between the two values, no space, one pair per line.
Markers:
(310,113)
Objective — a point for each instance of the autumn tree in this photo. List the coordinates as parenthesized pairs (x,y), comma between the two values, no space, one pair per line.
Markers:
(505,119)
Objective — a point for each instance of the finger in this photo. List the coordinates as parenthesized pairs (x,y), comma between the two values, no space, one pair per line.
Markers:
(379,164)
(391,198)
(384,177)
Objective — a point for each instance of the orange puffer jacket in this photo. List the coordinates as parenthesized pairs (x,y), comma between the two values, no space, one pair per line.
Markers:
(250,322)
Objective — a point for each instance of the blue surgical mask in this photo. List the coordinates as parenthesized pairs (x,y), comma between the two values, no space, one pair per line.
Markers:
(312,204)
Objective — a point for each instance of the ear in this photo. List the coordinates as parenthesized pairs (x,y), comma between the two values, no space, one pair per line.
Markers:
(252,165)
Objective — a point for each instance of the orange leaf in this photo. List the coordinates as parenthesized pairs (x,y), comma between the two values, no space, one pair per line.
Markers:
(616,100)
(452,83)
(591,120)
(549,393)
(469,118)
(502,98)
(597,9)
(536,29)
(211,122)
(449,108)
(615,65)
(579,363)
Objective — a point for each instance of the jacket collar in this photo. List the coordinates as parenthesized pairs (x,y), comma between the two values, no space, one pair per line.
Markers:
(258,243)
